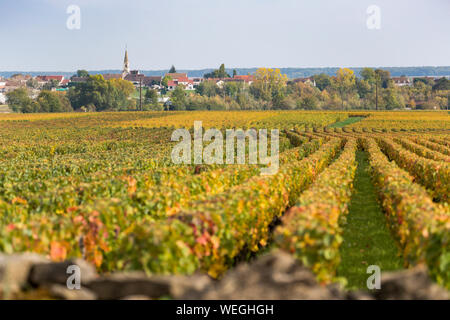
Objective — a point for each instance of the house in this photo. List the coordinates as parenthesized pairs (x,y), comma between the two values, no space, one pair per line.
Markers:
(171,85)
(179,79)
(2,85)
(187,83)
(197,81)
(12,85)
(65,83)
(219,82)
(246,78)
(135,77)
(402,81)
(75,80)
(20,78)
(177,76)
(16,81)
(153,82)
(308,80)
(139,79)
(2,98)
(42,80)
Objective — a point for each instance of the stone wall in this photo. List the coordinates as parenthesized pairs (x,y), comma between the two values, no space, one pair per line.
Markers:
(274,276)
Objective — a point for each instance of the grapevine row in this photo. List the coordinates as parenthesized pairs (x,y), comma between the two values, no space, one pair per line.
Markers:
(421,226)
(310,229)
(421,150)
(434,175)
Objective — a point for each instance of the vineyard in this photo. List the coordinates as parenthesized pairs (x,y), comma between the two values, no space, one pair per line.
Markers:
(353,189)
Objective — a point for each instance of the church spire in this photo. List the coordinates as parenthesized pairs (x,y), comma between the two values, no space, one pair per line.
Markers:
(126,65)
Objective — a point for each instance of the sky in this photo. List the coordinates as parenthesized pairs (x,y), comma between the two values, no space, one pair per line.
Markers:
(199,34)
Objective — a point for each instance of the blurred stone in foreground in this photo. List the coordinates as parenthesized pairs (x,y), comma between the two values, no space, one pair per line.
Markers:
(271,277)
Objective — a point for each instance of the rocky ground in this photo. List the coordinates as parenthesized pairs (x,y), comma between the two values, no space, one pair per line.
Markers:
(273,276)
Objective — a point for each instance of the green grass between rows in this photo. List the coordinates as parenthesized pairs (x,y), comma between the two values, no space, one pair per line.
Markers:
(346,122)
(367,240)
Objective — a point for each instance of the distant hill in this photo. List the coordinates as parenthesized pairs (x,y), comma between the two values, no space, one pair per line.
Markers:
(290,72)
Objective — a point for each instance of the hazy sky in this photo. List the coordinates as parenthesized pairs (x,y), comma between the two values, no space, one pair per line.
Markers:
(194,34)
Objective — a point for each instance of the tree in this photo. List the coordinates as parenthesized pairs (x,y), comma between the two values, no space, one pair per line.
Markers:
(50,84)
(344,84)
(82,73)
(219,73)
(165,81)
(165,84)
(233,88)
(384,77)
(103,94)
(178,98)
(151,97)
(234,73)
(19,100)
(371,85)
(420,91)
(322,80)
(425,80)
(269,85)
(172,69)
(441,84)
(308,103)
(49,101)
(368,74)
(207,88)
(364,88)
(119,92)
(32,83)
(392,100)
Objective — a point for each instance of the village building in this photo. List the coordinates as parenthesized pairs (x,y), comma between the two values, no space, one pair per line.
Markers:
(248,79)
(126,65)
(134,76)
(2,90)
(177,79)
(309,80)
(153,82)
(402,81)
(42,80)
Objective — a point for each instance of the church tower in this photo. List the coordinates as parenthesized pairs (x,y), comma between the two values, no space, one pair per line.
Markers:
(126,65)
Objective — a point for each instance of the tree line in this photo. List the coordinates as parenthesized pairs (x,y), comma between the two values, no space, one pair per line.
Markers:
(373,89)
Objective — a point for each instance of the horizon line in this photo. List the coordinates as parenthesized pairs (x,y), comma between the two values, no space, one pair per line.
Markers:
(230,68)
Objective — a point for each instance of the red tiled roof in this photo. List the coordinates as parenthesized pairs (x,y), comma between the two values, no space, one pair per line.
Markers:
(182,79)
(244,77)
